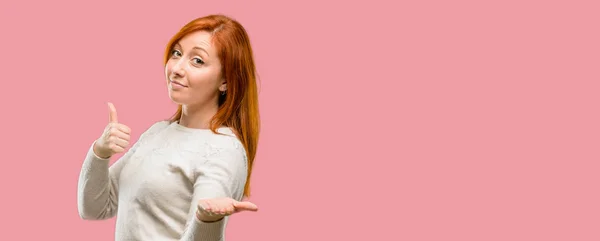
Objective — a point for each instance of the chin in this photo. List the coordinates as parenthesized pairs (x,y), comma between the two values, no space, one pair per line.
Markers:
(176,98)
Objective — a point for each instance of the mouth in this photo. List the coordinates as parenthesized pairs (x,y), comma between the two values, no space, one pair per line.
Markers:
(178,83)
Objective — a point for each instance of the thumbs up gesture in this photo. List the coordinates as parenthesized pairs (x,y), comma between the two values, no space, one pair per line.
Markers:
(114,139)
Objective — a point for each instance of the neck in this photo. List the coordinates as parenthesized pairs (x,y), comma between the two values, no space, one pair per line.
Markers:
(197,116)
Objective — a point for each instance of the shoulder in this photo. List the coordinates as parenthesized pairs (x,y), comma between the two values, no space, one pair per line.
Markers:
(159,125)
(154,129)
(226,147)
(227,140)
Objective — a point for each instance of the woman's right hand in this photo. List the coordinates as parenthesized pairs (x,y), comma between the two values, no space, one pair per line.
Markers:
(115,138)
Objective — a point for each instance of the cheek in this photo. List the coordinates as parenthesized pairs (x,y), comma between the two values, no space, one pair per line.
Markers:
(168,69)
(197,81)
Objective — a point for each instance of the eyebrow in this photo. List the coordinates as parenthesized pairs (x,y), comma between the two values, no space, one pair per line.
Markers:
(200,48)
(195,47)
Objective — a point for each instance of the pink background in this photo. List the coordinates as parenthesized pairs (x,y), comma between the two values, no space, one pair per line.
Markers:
(436,120)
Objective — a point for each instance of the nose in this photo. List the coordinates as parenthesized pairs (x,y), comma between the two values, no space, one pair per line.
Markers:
(178,69)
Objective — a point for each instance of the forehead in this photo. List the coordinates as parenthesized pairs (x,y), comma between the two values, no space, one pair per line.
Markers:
(196,39)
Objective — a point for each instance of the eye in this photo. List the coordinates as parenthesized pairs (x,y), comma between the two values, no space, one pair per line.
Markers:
(197,61)
(175,53)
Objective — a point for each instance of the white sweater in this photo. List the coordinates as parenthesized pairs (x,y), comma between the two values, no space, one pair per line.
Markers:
(154,188)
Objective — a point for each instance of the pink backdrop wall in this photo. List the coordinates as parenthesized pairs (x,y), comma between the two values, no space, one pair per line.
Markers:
(436,120)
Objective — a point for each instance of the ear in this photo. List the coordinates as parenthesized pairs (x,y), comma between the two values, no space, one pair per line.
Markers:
(223,86)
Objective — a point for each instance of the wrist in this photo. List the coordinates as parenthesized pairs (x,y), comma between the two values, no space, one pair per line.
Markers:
(206,219)
(99,153)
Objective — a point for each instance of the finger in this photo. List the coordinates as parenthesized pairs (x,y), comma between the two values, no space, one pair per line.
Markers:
(119,142)
(112,114)
(218,208)
(123,128)
(119,134)
(226,210)
(204,206)
(245,206)
(115,148)
(202,209)
(208,207)
(230,210)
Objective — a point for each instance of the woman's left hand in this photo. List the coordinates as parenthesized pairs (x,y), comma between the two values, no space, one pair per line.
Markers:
(211,210)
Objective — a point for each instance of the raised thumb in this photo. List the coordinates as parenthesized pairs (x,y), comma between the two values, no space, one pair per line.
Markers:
(112,113)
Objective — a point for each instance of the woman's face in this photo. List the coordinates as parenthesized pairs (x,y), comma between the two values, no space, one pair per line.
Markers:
(193,71)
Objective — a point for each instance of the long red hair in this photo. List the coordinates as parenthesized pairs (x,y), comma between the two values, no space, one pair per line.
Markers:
(238,108)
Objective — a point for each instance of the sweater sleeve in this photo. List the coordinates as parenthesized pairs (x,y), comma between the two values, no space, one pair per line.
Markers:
(98,185)
(224,175)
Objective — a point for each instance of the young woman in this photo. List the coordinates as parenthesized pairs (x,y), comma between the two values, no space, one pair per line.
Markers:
(184,176)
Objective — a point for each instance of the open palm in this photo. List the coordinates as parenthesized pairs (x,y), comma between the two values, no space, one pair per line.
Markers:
(216,208)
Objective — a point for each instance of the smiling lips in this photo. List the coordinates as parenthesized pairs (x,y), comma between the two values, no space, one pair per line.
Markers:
(177,83)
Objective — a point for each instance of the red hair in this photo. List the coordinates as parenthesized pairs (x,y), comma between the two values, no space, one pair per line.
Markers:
(238,108)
